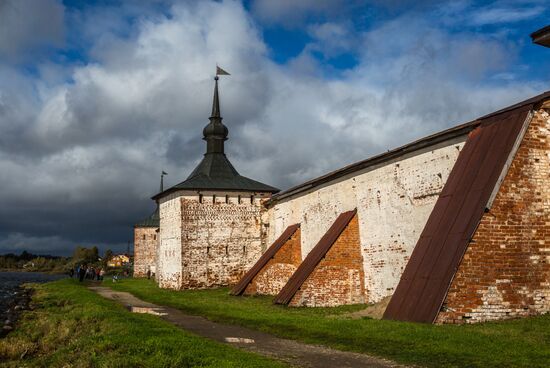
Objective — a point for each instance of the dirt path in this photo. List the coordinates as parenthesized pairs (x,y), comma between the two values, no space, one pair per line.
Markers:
(290,351)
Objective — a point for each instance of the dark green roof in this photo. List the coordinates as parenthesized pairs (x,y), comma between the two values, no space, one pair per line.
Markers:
(215,172)
(152,221)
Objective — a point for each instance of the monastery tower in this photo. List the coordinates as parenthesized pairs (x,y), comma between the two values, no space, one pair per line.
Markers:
(211,225)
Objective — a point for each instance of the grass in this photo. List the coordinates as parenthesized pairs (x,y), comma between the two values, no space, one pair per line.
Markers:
(71,326)
(513,343)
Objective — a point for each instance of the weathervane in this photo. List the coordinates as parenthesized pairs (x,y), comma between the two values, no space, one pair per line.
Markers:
(220,71)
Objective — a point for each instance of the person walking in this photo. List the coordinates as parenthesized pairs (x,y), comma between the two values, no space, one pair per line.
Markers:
(81,273)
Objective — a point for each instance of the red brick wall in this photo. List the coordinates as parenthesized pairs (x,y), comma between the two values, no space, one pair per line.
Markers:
(505,272)
(338,279)
(275,274)
(145,250)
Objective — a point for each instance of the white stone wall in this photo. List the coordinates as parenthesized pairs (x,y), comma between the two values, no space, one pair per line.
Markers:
(169,270)
(222,237)
(393,201)
(209,239)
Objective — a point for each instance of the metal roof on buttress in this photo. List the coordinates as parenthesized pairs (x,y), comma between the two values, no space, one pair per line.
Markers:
(313,258)
(452,223)
(240,287)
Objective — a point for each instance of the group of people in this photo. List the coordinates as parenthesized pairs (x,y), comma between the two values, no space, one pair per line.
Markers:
(83,272)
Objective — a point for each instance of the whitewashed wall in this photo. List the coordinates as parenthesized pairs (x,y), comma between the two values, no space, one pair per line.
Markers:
(393,200)
(169,270)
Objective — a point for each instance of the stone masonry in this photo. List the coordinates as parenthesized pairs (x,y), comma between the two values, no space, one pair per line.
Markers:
(209,240)
(220,240)
(338,279)
(145,250)
(505,272)
(275,274)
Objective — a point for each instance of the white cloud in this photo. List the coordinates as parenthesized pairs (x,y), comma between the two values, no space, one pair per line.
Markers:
(494,15)
(82,158)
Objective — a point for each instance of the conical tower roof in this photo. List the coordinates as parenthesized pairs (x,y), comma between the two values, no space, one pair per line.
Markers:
(215,172)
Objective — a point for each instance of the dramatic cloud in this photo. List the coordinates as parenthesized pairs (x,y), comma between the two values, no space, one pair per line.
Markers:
(82,147)
(27,26)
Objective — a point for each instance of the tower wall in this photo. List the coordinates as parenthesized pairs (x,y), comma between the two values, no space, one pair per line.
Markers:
(220,238)
(145,250)
(169,248)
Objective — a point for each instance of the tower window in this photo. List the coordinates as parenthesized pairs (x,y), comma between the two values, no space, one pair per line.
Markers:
(207,250)
(155,237)
(226,198)
(200,198)
(226,250)
(239,199)
(143,237)
(251,199)
(244,249)
(214,198)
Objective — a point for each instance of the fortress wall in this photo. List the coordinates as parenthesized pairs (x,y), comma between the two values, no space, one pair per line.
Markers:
(393,201)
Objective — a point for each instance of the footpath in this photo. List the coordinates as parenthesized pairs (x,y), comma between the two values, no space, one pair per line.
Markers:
(290,351)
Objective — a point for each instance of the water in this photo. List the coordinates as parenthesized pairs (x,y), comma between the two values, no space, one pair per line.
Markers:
(10,282)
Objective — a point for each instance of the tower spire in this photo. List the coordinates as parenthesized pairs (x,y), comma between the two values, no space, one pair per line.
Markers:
(216,100)
(215,133)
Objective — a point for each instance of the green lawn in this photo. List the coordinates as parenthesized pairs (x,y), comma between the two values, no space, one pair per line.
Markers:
(74,327)
(516,343)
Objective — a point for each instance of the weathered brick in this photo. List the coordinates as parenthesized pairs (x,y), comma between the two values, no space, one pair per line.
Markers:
(338,279)
(145,250)
(275,274)
(505,271)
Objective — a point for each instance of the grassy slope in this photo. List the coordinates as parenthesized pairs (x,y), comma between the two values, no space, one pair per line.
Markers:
(73,327)
(516,343)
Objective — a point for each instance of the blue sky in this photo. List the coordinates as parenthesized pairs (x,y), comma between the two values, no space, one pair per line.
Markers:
(97,97)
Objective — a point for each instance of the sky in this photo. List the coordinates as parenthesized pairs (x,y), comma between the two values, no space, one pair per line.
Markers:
(97,97)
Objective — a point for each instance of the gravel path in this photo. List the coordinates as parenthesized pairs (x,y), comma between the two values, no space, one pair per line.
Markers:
(290,351)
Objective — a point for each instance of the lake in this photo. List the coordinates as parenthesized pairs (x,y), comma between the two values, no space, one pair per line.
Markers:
(10,282)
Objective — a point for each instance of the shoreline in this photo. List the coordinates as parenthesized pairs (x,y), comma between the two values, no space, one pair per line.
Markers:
(15,297)
(19,302)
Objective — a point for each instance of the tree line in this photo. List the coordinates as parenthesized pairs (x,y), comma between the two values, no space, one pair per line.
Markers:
(54,264)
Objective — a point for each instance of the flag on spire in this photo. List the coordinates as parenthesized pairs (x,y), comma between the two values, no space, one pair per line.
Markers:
(220,71)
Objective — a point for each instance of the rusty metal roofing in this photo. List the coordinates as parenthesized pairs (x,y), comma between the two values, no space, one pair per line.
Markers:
(455,217)
(240,287)
(429,141)
(313,258)
(542,36)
